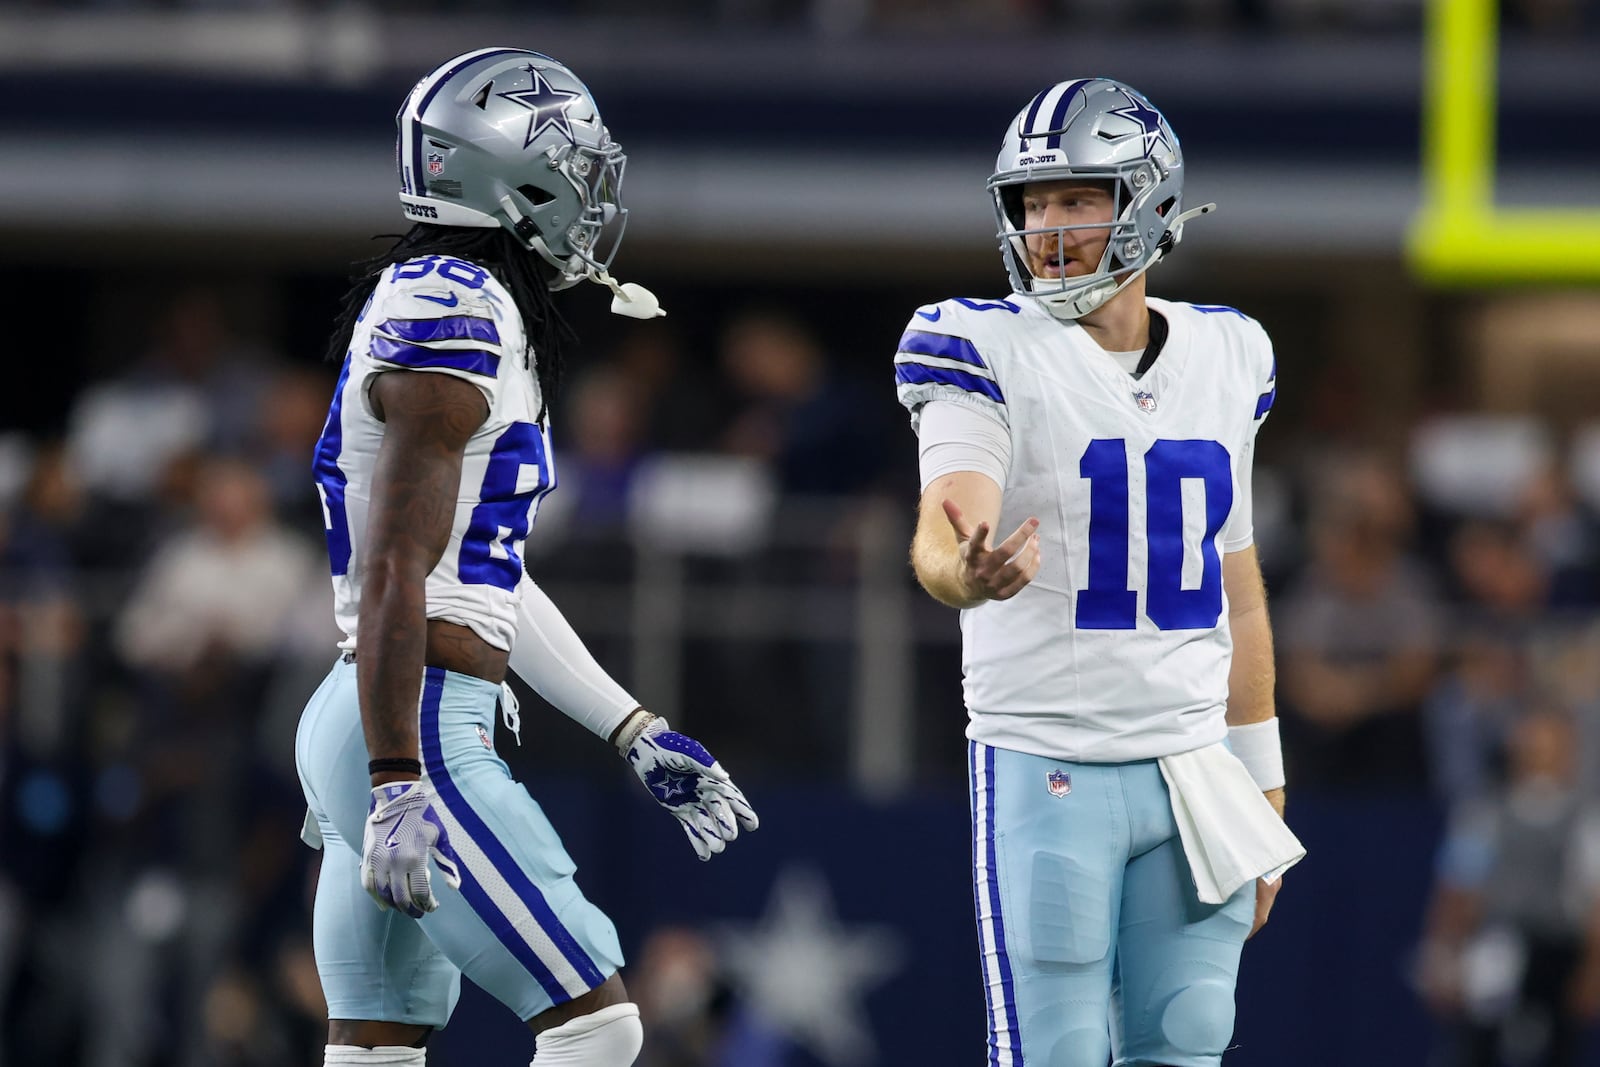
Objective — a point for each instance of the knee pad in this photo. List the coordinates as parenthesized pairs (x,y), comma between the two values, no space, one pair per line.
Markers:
(1198,1020)
(610,1037)
(382,1056)
(1080,1048)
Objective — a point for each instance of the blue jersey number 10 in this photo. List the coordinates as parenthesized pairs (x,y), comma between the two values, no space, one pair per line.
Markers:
(1108,603)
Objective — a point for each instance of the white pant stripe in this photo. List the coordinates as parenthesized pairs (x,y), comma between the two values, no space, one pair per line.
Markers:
(983,834)
(505,898)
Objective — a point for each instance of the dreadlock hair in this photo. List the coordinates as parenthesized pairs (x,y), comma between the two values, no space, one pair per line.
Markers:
(522,272)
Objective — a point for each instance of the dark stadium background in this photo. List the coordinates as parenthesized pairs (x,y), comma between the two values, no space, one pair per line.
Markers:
(212,168)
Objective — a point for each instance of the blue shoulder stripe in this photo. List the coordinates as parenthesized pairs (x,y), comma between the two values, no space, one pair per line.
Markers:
(1218,309)
(472,360)
(1265,401)
(450,328)
(917,374)
(922,343)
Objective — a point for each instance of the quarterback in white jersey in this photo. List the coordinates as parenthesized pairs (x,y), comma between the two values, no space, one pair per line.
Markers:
(430,468)
(1127,787)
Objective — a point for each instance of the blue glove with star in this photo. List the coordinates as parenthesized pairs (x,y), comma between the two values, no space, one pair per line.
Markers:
(402,832)
(687,781)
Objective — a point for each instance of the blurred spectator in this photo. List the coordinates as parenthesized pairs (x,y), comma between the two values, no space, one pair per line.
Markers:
(1511,956)
(823,434)
(691,1015)
(195,387)
(1503,592)
(602,447)
(224,587)
(203,825)
(1357,635)
(1560,535)
(289,420)
(683,405)
(1471,712)
(1497,577)
(43,637)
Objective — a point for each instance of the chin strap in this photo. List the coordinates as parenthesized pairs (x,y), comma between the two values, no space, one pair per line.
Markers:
(632,299)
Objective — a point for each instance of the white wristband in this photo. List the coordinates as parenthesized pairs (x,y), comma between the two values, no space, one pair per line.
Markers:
(1257,746)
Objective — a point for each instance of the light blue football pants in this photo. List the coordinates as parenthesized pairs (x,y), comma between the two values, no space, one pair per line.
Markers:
(1094,941)
(519,927)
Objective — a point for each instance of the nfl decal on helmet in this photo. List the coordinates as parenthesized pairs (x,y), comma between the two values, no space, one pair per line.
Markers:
(1092,129)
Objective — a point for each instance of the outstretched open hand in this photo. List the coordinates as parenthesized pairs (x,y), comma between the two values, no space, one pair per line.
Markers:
(994,573)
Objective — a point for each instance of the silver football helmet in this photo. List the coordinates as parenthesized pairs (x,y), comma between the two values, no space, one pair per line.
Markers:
(508,137)
(1092,129)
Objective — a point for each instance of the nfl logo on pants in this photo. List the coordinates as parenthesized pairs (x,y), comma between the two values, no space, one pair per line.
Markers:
(1060,783)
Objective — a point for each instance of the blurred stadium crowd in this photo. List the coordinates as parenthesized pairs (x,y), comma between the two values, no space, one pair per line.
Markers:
(949,16)
(737,487)
(165,612)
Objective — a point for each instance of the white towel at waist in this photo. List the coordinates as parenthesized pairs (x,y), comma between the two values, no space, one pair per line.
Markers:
(1229,830)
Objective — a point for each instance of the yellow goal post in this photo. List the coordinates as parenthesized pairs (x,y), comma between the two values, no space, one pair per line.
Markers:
(1460,235)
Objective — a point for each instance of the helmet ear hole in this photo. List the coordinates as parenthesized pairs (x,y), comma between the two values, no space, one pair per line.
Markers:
(536,196)
(481,101)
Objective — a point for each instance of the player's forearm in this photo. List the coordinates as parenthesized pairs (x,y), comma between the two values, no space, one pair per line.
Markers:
(1252,676)
(938,568)
(551,657)
(393,633)
(1251,713)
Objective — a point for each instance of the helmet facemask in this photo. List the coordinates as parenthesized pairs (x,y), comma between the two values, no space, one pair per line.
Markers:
(585,184)
(1134,243)
(1092,130)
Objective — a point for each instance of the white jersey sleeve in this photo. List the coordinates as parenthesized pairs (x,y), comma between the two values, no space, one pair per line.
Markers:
(1239,533)
(954,437)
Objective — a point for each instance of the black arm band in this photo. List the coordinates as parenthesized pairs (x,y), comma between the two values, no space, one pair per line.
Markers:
(394,763)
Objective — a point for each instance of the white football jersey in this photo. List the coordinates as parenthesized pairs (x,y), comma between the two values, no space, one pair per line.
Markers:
(1119,648)
(441,315)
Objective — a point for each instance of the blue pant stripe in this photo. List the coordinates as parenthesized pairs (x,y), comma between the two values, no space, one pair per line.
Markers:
(484,839)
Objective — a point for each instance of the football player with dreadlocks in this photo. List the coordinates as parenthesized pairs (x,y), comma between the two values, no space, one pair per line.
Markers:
(1126,778)
(431,466)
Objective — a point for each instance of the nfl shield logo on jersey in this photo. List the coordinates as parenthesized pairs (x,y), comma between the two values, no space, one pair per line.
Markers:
(1145,400)
(483,735)
(1060,783)
(435,162)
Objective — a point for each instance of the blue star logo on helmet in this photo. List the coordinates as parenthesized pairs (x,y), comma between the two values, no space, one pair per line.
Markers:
(548,104)
(1149,121)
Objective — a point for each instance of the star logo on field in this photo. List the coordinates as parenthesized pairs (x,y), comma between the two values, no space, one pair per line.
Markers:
(807,974)
(548,104)
(1148,120)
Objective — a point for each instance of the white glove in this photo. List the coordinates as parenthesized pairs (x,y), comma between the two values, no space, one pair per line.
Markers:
(687,781)
(402,831)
